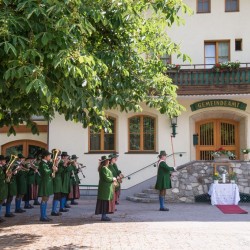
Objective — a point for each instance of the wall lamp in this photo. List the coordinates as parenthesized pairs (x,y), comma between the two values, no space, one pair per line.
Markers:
(174,125)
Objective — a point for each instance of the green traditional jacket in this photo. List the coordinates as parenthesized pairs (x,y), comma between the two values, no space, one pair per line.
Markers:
(105,187)
(67,179)
(57,181)
(31,177)
(46,185)
(21,182)
(3,185)
(115,172)
(163,176)
(12,186)
(75,180)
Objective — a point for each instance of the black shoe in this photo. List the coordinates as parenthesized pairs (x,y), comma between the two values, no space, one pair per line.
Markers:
(1,220)
(106,219)
(9,215)
(164,209)
(67,206)
(73,203)
(63,210)
(19,211)
(28,207)
(36,203)
(45,219)
(55,214)
(117,203)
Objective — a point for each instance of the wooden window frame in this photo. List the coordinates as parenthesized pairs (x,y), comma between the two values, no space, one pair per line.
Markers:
(165,59)
(203,12)
(141,134)
(238,6)
(102,133)
(216,42)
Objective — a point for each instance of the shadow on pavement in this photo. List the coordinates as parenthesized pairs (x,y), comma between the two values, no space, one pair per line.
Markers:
(69,247)
(17,241)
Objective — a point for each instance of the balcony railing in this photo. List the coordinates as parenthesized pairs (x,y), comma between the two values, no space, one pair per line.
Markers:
(200,74)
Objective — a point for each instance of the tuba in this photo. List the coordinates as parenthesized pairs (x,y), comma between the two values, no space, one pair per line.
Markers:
(10,165)
(55,153)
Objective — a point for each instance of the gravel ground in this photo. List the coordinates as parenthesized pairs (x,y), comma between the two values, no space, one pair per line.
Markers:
(133,226)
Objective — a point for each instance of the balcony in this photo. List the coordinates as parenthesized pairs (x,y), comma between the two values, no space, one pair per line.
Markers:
(198,80)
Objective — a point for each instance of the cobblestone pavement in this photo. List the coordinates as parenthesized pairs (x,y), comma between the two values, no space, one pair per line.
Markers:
(133,226)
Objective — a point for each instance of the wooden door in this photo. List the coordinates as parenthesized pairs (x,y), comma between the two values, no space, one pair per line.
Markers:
(216,133)
(25,147)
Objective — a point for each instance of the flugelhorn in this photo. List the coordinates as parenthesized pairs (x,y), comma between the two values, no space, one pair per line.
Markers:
(9,166)
(55,153)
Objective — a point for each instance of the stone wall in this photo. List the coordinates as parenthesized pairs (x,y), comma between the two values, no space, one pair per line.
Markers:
(194,178)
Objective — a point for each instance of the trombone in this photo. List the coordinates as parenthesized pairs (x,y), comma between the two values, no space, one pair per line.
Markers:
(55,153)
(10,166)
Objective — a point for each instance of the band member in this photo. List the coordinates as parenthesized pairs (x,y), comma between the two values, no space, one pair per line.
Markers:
(37,176)
(105,190)
(46,186)
(75,181)
(67,168)
(3,184)
(116,173)
(163,181)
(12,189)
(32,188)
(57,188)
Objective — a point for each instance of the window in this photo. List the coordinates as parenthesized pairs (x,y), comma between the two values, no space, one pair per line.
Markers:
(103,141)
(232,5)
(203,6)
(216,52)
(238,44)
(166,59)
(142,133)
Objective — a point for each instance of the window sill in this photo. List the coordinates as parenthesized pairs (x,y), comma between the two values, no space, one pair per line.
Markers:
(141,152)
(100,152)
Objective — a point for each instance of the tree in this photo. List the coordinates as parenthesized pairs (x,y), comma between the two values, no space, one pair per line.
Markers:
(81,57)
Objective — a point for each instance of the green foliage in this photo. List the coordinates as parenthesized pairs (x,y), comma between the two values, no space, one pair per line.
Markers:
(81,57)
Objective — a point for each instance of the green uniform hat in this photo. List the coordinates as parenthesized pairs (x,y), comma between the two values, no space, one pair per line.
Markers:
(104,158)
(45,153)
(74,157)
(20,156)
(64,154)
(162,153)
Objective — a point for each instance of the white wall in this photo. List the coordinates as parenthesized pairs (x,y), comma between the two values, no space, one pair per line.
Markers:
(217,25)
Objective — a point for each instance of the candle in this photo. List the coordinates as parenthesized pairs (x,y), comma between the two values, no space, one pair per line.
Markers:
(223,178)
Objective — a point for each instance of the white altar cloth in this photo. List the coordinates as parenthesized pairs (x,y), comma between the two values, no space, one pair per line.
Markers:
(224,194)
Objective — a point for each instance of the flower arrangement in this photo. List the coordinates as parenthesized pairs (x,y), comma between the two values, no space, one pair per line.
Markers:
(221,151)
(216,176)
(229,66)
(173,67)
(233,176)
(245,150)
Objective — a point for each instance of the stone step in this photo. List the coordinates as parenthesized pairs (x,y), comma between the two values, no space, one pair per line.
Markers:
(146,195)
(150,191)
(142,200)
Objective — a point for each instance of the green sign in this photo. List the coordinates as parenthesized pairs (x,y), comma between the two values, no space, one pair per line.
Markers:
(218,103)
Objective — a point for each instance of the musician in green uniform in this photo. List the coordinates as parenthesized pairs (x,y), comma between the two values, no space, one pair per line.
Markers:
(46,187)
(31,193)
(3,184)
(66,180)
(12,187)
(116,173)
(74,181)
(21,181)
(163,181)
(57,188)
(105,190)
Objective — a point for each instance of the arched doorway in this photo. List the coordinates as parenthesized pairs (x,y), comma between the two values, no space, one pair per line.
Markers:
(25,147)
(216,133)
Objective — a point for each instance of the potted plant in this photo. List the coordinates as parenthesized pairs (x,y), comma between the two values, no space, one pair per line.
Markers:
(216,178)
(233,177)
(226,66)
(245,153)
(221,155)
(173,67)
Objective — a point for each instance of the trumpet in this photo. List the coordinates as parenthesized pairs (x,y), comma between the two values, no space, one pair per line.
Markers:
(55,153)
(10,166)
